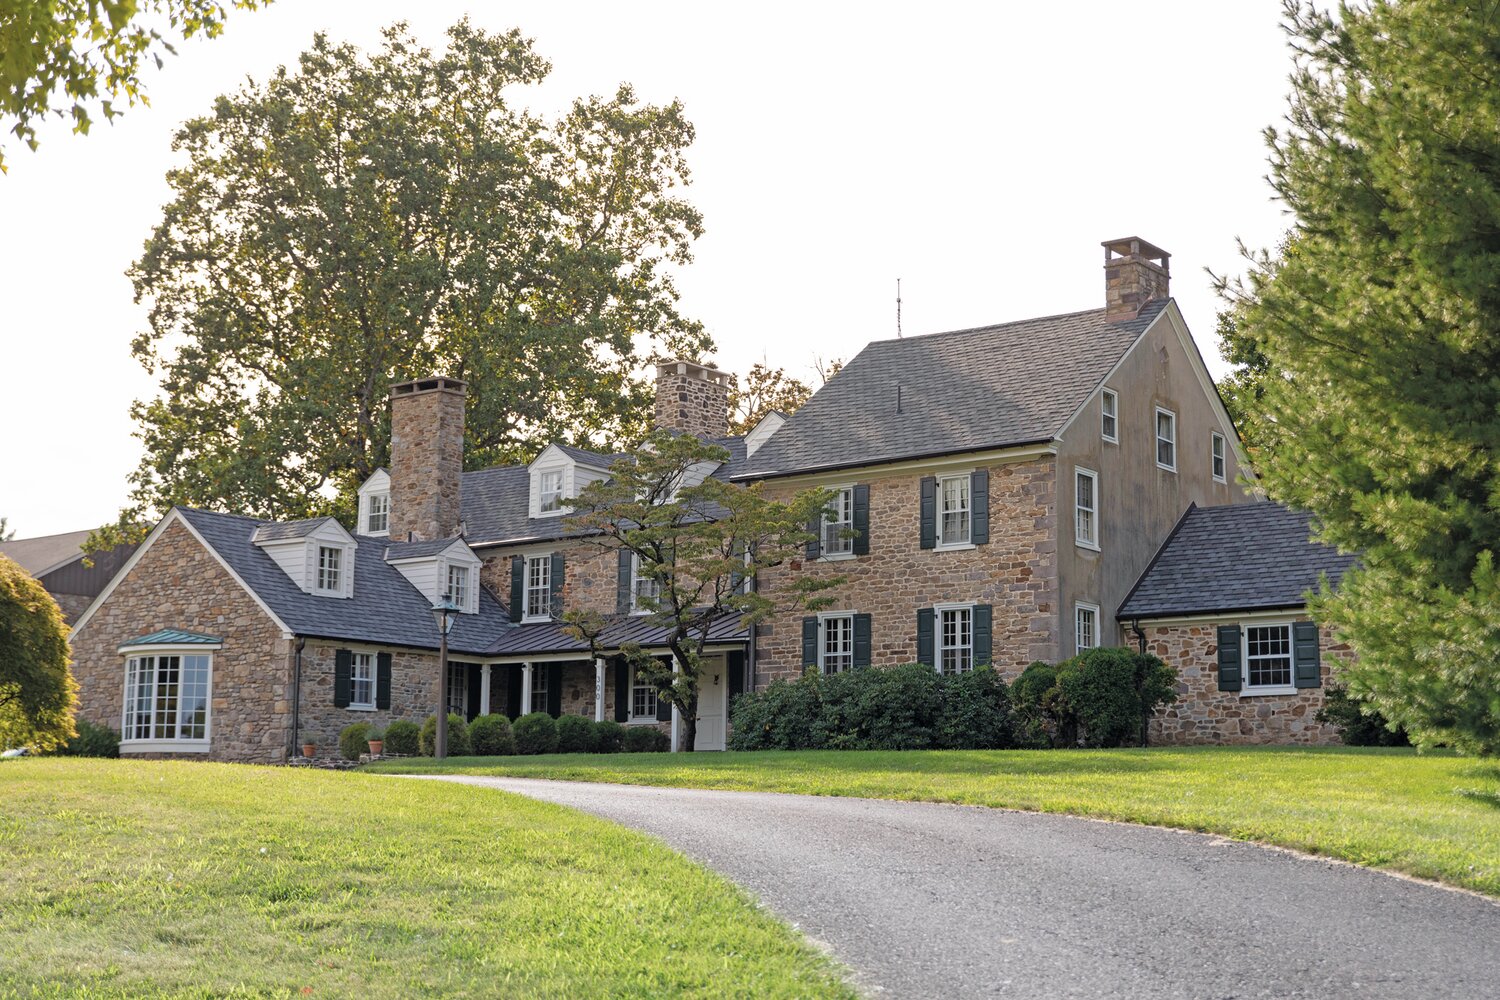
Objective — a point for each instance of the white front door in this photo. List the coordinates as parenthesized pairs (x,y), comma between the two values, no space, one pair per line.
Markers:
(713,687)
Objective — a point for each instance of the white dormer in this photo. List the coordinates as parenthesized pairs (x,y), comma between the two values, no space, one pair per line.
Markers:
(375,505)
(557,475)
(762,431)
(436,568)
(318,554)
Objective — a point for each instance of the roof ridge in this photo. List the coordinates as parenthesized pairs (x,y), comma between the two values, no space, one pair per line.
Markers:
(984,327)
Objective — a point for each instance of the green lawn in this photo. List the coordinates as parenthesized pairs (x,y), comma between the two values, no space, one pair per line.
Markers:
(1435,816)
(141,879)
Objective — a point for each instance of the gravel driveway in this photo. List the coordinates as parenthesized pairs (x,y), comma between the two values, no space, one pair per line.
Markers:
(928,900)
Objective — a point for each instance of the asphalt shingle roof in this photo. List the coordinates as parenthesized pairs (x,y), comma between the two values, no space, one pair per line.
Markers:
(1242,557)
(39,556)
(966,390)
(275,531)
(416,550)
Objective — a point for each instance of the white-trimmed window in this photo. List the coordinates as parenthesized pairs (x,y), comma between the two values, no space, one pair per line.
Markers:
(1268,658)
(458,585)
(167,700)
(953,510)
(538,587)
(1109,416)
(643,702)
(330,571)
(378,514)
(458,700)
(1086,508)
(838,523)
(538,689)
(1085,626)
(1166,440)
(1217,449)
(835,643)
(362,680)
(642,586)
(955,639)
(550,492)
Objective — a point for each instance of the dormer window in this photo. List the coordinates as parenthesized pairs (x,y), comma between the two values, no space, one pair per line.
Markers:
(378,518)
(458,585)
(550,492)
(330,579)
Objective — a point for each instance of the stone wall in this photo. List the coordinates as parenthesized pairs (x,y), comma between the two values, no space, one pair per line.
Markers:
(414,680)
(1204,714)
(180,585)
(427,458)
(692,398)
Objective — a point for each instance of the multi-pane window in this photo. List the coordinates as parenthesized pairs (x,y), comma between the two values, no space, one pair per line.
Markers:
(1268,656)
(539,586)
(458,585)
(538,689)
(955,637)
(1218,457)
(362,680)
(1085,508)
(642,699)
(550,492)
(378,520)
(838,523)
(836,644)
(166,697)
(1085,627)
(1166,439)
(330,569)
(458,700)
(953,510)
(644,589)
(1109,405)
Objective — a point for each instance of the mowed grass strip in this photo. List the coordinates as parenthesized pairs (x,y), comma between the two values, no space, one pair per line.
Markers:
(1435,816)
(155,879)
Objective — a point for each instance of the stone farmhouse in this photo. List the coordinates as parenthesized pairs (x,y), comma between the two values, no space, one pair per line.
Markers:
(1003,494)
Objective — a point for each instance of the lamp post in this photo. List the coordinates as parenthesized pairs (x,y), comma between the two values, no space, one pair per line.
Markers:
(443,613)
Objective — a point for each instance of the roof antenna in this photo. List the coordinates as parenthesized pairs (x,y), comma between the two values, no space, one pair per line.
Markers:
(898,315)
(898,397)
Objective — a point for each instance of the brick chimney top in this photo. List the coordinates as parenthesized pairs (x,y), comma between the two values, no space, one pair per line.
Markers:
(1135,273)
(692,398)
(427,458)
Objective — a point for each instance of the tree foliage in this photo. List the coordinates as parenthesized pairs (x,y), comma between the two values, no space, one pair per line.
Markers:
(362,219)
(60,57)
(702,541)
(6,531)
(1379,406)
(764,389)
(37,691)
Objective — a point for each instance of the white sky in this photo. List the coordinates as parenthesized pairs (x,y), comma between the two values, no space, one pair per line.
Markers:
(978,152)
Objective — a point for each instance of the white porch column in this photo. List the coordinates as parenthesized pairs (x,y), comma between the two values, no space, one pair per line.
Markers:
(525,708)
(676,718)
(599,689)
(484,687)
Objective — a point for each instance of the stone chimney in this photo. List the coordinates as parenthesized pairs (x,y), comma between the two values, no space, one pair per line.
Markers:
(692,398)
(427,458)
(1135,272)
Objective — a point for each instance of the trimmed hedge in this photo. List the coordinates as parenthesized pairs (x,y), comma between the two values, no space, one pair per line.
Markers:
(646,739)
(403,737)
(458,736)
(609,736)
(354,739)
(491,736)
(1100,698)
(575,734)
(536,733)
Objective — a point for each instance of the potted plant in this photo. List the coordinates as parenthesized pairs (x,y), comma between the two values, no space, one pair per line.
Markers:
(308,749)
(377,743)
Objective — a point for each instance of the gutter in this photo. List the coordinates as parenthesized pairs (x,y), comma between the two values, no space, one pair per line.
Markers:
(296,695)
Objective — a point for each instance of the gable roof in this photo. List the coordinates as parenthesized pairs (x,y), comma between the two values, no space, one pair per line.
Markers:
(1240,557)
(966,390)
(40,556)
(397,551)
(281,531)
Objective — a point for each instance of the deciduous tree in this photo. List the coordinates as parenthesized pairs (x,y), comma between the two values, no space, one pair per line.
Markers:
(37,691)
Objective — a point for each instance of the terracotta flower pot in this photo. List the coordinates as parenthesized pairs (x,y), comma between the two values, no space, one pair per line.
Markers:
(376,746)
(308,749)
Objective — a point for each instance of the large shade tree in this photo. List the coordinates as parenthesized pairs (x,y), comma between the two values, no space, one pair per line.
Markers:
(37,690)
(1378,326)
(360,219)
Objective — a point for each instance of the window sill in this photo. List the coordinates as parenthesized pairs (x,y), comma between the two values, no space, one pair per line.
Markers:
(164,746)
(1221,482)
(837,557)
(360,708)
(954,547)
(536,620)
(1088,545)
(1167,468)
(645,720)
(1257,692)
(1109,440)
(550,513)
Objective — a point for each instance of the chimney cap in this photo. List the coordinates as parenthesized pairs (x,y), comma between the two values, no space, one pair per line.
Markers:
(692,369)
(435,383)
(1134,246)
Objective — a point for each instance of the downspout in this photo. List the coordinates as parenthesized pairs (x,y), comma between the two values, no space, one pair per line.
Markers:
(296,696)
(1140,641)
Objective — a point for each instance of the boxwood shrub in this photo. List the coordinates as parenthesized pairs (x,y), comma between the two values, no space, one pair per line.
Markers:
(354,739)
(976,712)
(491,736)
(402,737)
(609,736)
(91,741)
(785,716)
(646,739)
(536,733)
(1099,698)
(575,734)
(458,736)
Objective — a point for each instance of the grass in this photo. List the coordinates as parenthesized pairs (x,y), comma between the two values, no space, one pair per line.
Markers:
(153,879)
(1433,816)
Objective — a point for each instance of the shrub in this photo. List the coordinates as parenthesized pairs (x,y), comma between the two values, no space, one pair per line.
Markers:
(354,740)
(491,736)
(895,708)
(458,736)
(609,736)
(403,737)
(536,733)
(646,739)
(1033,684)
(1358,724)
(1105,696)
(785,716)
(575,734)
(976,713)
(92,741)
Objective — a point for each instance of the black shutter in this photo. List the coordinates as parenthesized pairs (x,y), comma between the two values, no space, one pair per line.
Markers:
(1229,658)
(926,637)
(383,681)
(929,512)
(623,580)
(815,546)
(663,711)
(554,688)
(517,587)
(734,662)
(557,580)
(984,635)
(861,640)
(862,519)
(1307,671)
(471,685)
(343,662)
(513,704)
(622,689)
(810,641)
(979,507)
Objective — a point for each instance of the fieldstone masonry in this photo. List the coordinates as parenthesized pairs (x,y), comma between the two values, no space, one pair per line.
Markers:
(427,458)
(692,398)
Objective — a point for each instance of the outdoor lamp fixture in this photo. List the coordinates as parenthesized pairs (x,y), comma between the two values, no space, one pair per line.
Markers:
(443,613)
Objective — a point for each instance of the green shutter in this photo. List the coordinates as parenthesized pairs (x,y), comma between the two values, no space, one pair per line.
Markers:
(1307,670)
(979,507)
(734,662)
(984,635)
(517,587)
(557,580)
(862,519)
(809,641)
(623,579)
(383,681)
(554,689)
(513,704)
(663,711)
(929,512)
(926,637)
(861,640)
(815,545)
(1229,658)
(622,689)
(472,708)
(343,663)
